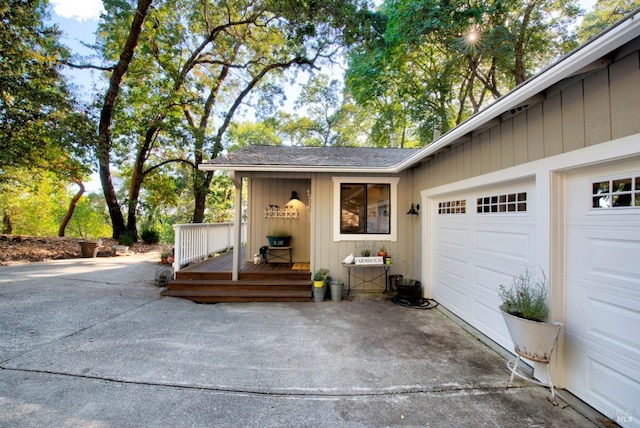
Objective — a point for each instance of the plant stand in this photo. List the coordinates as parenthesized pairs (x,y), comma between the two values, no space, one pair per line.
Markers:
(534,341)
(512,365)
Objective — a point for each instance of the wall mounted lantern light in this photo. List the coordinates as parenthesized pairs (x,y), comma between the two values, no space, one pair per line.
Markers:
(414,209)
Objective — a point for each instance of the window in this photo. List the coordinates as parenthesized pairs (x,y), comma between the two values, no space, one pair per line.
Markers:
(453,207)
(507,203)
(365,208)
(616,193)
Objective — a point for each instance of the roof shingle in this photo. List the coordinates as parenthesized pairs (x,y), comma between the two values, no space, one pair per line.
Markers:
(346,157)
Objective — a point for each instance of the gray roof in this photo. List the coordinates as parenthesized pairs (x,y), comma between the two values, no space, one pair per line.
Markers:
(257,157)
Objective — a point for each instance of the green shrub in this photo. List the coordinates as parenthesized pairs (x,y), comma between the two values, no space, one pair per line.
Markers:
(127,238)
(526,298)
(150,236)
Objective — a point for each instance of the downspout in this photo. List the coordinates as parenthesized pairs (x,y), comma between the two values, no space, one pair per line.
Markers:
(237,225)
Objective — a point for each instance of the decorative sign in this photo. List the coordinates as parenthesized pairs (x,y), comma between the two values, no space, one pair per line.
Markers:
(369,260)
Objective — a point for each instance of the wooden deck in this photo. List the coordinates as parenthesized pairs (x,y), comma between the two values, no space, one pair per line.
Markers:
(210,281)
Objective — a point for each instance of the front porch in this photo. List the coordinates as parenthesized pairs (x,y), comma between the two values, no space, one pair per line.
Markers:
(210,281)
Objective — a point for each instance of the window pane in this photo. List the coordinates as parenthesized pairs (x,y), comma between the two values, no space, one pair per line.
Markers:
(365,208)
(600,187)
(378,208)
(352,212)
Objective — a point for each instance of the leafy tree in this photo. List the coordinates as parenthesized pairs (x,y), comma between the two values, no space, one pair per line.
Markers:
(33,200)
(126,47)
(248,133)
(604,14)
(41,124)
(200,63)
(434,62)
(296,130)
(321,98)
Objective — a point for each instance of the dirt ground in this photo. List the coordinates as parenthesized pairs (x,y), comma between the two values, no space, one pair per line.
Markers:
(24,249)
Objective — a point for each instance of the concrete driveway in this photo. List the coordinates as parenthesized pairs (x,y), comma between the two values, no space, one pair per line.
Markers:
(89,343)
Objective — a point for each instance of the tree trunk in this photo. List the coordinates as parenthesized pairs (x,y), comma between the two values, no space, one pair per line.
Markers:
(7,226)
(137,176)
(71,209)
(106,116)
(200,190)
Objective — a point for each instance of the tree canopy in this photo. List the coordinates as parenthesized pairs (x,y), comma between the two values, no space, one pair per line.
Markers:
(435,63)
(187,80)
(41,124)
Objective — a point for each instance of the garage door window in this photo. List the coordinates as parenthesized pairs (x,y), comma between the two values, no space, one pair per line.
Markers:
(506,203)
(616,193)
(452,207)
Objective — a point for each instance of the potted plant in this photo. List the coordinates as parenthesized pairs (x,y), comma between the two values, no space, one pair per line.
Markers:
(382,252)
(89,246)
(319,284)
(279,238)
(525,311)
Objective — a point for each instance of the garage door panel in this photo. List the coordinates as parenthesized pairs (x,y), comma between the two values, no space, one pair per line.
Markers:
(452,237)
(606,256)
(604,382)
(487,275)
(510,245)
(616,326)
(452,266)
(491,323)
(452,298)
(602,295)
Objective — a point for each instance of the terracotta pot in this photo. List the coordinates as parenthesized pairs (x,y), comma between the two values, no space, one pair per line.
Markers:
(88,249)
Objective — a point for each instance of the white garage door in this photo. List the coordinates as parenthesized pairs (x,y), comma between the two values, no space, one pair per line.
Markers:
(602,327)
(480,240)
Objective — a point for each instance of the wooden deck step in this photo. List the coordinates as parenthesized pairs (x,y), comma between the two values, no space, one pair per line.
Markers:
(220,284)
(287,275)
(238,295)
(218,291)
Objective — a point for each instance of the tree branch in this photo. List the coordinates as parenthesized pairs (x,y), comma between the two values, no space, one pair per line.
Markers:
(165,162)
(88,66)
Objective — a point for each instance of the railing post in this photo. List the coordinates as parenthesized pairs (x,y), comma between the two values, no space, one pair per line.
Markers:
(177,249)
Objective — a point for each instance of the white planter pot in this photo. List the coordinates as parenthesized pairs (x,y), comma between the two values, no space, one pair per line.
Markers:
(532,340)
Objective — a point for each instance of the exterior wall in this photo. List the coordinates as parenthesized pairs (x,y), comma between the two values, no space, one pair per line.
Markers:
(313,231)
(264,190)
(327,253)
(586,120)
(576,113)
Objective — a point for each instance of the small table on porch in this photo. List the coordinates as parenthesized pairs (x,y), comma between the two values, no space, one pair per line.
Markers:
(273,253)
(351,266)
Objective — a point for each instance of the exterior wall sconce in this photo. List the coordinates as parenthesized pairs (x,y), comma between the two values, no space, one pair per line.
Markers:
(414,209)
(294,196)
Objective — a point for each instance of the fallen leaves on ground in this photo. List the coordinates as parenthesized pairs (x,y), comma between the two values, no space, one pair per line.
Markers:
(24,249)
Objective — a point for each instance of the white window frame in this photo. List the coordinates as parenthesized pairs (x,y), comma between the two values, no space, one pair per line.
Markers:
(393,200)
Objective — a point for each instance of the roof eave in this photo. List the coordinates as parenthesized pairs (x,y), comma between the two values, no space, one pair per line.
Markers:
(290,168)
(612,39)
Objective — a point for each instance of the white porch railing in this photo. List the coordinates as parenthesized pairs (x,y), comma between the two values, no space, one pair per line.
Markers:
(198,241)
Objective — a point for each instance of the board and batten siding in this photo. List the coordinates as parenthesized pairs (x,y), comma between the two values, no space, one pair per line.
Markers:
(316,224)
(265,190)
(327,253)
(601,106)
